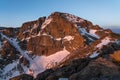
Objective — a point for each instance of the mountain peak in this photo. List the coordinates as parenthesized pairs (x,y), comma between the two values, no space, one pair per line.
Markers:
(60,42)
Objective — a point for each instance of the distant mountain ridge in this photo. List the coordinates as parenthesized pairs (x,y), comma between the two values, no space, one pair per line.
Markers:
(116,30)
(59,46)
(1,28)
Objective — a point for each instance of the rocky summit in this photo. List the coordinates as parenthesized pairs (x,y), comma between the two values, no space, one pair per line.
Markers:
(61,46)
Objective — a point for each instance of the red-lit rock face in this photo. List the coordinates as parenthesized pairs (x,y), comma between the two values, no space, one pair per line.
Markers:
(70,46)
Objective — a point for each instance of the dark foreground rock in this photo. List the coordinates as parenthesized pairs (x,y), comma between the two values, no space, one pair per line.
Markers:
(84,69)
(99,69)
(22,77)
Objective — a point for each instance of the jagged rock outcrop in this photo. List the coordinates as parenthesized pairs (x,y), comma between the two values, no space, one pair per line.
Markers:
(30,28)
(10,32)
(8,52)
(8,55)
(23,44)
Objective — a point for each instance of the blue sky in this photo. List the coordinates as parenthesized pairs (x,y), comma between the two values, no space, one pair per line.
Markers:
(101,12)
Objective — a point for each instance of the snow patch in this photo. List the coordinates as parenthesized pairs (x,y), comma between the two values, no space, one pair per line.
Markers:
(27,31)
(63,78)
(58,39)
(47,21)
(0,44)
(35,26)
(105,41)
(74,19)
(93,33)
(28,38)
(9,71)
(95,54)
(9,67)
(68,38)
(44,34)
(82,30)
(118,41)
(16,73)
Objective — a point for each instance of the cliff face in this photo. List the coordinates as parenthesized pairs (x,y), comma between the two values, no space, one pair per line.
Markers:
(55,36)
(61,45)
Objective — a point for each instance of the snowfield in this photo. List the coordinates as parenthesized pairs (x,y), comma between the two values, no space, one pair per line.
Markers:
(46,62)
(37,64)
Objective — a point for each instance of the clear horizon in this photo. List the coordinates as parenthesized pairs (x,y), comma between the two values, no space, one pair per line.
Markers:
(102,12)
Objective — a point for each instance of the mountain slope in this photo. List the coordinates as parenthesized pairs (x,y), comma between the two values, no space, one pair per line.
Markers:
(48,47)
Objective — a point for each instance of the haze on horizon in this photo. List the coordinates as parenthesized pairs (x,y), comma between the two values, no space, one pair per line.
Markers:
(102,12)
